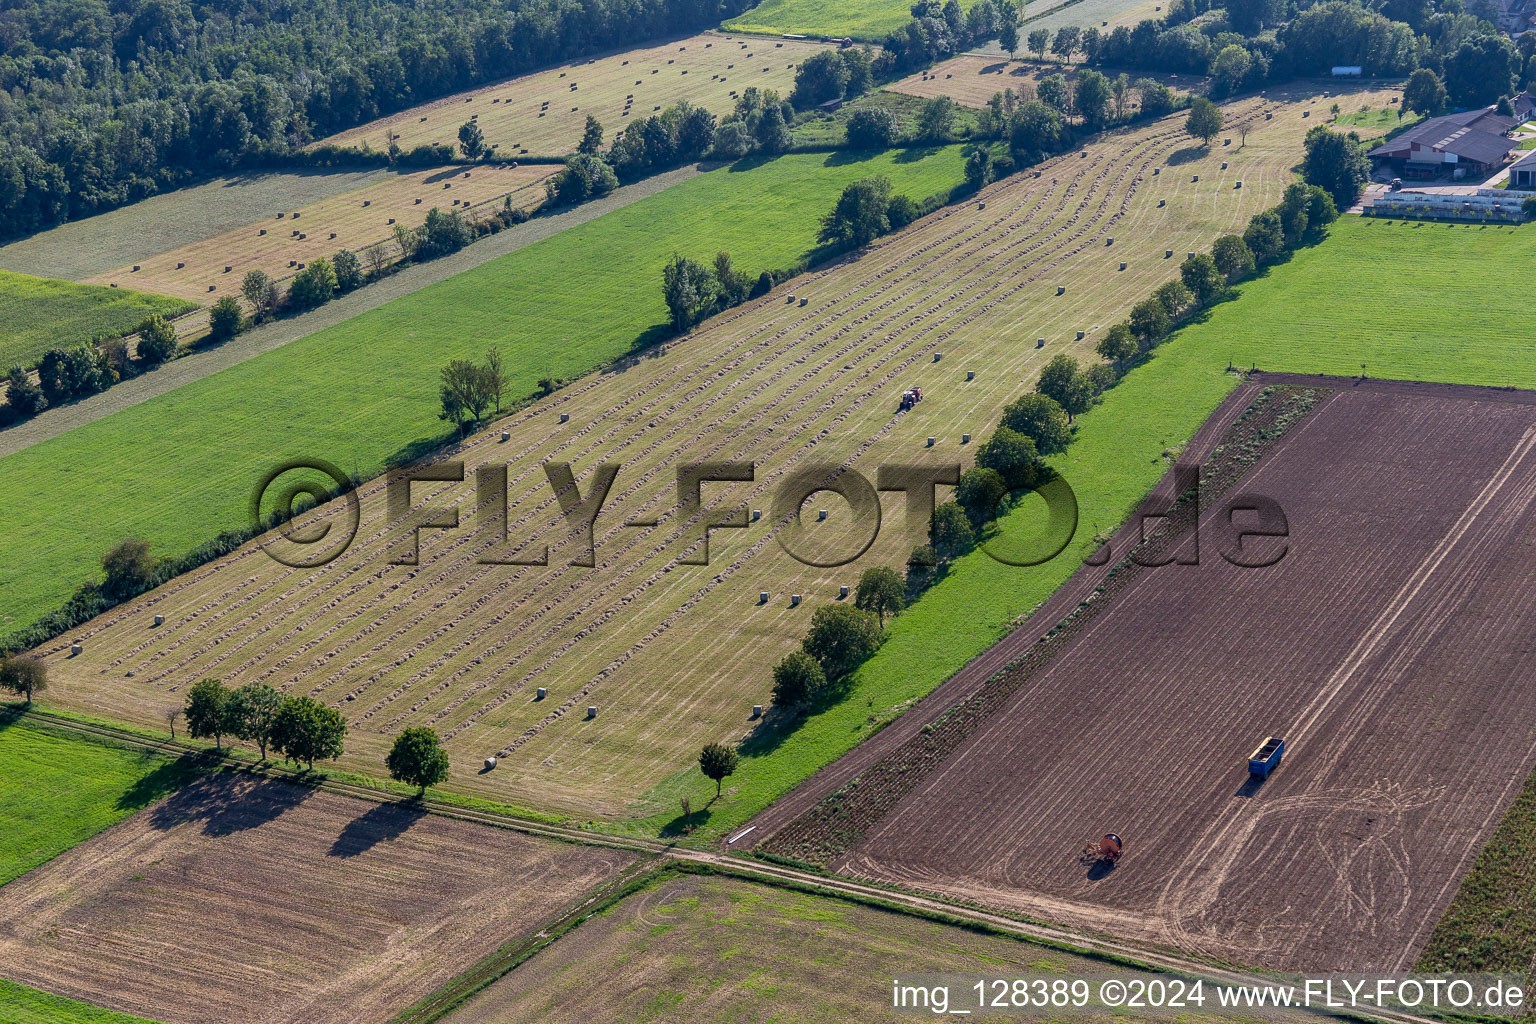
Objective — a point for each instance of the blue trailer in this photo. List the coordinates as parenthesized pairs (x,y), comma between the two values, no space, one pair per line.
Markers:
(1267,758)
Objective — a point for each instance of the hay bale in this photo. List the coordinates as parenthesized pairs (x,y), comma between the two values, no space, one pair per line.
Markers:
(965,438)
(762,598)
(391,220)
(794,600)
(1268,116)
(1109,241)
(1156,171)
(490,763)
(757,514)
(1226,142)
(1167,254)
(1162,203)
(506,435)
(74,650)
(540,693)
(1122,264)
(1306,113)
(1081,335)
(930,442)
(1061,289)
(1239,184)
(1039,343)
(821,516)
(227,268)
(261,232)
(1223,165)
(135,268)
(842,591)
(180,266)
(333,234)
(112,285)
(212,287)
(591,711)
(757,711)
(937,356)
(1190,256)
(565,417)
(804,301)
(970,374)
(418,202)
(1195,178)
(159,620)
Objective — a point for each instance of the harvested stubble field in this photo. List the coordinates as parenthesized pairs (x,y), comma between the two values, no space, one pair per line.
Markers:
(1383,646)
(288,238)
(771,954)
(41,313)
(971,79)
(545,113)
(321,908)
(675,655)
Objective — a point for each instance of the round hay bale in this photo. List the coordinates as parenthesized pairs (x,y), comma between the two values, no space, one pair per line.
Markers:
(490,763)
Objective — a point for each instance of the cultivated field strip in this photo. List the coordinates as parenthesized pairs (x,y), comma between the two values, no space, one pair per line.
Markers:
(673,654)
(352,220)
(1383,647)
(544,113)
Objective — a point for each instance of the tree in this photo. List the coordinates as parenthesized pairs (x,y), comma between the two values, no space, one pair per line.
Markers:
(1149,322)
(717,762)
(23,674)
(841,638)
(495,377)
(1249,16)
(1041,419)
(733,140)
(1230,68)
(314,285)
(861,76)
(1054,93)
(128,567)
(308,731)
(1094,93)
(820,78)
(1118,344)
(440,234)
(1204,119)
(1425,94)
(208,711)
(1156,98)
(978,167)
(157,340)
(349,270)
(1174,297)
(950,530)
(1265,236)
(1201,276)
(882,591)
(773,131)
(797,680)
(1067,39)
(1295,212)
(1233,257)
(1481,70)
(471,140)
(464,392)
(936,122)
(417,758)
(1013,456)
(251,714)
(260,291)
(732,285)
(22,394)
(1008,36)
(591,137)
(1337,164)
(901,211)
(1062,379)
(872,128)
(979,491)
(861,214)
(1034,132)
(690,290)
(1039,39)
(224,318)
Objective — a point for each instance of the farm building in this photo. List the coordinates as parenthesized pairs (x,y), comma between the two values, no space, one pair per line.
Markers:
(1522,173)
(1487,205)
(1470,143)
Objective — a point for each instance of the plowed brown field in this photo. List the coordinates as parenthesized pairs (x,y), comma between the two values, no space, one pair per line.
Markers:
(1387,646)
(238,901)
(675,655)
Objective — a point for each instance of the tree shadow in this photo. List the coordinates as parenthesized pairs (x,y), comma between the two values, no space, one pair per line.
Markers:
(912,154)
(776,726)
(843,157)
(749,163)
(1188,154)
(227,804)
(422,447)
(165,778)
(381,823)
(679,826)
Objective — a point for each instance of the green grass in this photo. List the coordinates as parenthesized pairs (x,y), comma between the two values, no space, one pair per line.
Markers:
(38,313)
(22,1005)
(57,791)
(1334,306)
(179,468)
(1384,118)
(868,20)
(827,129)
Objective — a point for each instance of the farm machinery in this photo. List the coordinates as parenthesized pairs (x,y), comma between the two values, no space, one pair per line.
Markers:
(910,398)
(1103,851)
(1267,757)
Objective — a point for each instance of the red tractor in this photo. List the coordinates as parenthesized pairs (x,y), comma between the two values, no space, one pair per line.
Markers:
(1106,851)
(910,398)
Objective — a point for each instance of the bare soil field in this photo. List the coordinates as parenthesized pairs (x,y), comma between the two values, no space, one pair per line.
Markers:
(1385,646)
(971,79)
(545,113)
(772,954)
(286,238)
(314,907)
(674,654)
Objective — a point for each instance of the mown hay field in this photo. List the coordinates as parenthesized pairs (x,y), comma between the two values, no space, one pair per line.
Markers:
(57,790)
(179,469)
(675,655)
(320,907)
(545,113)
(279,243)
(40,313)
(972,79)
(867,20)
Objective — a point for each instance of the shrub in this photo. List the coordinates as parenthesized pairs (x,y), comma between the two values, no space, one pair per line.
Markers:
(224,319)
(797,680)
(157,340)
(841,638)
(23,396)
(950,530)
(1041,419)
(349,270)
(314,285)
(872,128)
(978,493)
(129,568)
(901,211)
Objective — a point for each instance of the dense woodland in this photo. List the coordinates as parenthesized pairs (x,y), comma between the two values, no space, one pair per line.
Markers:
(103,102)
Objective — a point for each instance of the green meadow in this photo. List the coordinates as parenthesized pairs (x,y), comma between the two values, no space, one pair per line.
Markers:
(178,469)
(867,20)
(22,1005)
(39,313)
(1321,312)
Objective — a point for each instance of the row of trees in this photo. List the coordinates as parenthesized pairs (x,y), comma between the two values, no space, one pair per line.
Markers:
(301,729)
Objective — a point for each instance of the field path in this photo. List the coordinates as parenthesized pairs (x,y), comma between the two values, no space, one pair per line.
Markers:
(53,422)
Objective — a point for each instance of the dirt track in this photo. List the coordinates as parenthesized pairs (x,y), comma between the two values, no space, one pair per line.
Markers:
(315,908)
(1385,646)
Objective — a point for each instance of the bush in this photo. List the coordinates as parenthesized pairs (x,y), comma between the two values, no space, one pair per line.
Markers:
(798,680)
(224,319)
(950,530)
(862,213)
(157,340)
(129,568)
(313,286)
(349,270)
(872,128)
(1041,419)
(841,638)
(23,396)
(901,211)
